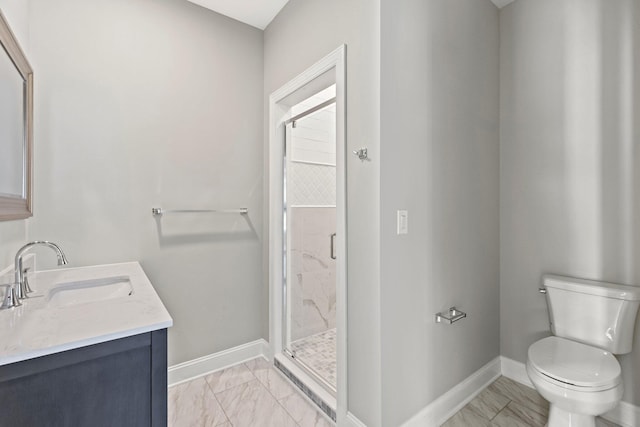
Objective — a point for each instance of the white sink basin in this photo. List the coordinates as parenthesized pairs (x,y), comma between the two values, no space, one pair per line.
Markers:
(92,290)
(77,307)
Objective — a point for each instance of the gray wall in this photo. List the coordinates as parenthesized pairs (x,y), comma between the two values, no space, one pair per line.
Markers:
(570,183)
(630,363)
(303,33)
(142,103)
(17,13)
(13,234)
(440,156)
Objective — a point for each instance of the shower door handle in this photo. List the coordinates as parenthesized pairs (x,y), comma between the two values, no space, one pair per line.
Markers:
(332,243)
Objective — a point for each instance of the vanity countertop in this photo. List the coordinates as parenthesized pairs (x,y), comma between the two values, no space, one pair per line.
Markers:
(43,325)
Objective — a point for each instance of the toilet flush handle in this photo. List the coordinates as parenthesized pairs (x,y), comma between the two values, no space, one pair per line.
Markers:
(542,290)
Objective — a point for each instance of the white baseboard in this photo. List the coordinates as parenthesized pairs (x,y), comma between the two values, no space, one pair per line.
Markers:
(452,401)
(353,421)
(625,414)
(198,367)
(515,371)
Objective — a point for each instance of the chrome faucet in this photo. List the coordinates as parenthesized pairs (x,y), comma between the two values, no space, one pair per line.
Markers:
(21,284)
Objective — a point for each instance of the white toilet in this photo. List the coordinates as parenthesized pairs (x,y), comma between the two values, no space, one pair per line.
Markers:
(575,369)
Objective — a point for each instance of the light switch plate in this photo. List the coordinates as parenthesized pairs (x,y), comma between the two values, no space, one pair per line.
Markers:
(403,222)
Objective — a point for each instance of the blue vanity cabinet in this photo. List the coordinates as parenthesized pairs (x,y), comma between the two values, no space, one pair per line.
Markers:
(119,383)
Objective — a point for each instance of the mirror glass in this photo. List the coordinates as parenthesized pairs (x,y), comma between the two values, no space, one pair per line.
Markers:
(12,145)
(16,127)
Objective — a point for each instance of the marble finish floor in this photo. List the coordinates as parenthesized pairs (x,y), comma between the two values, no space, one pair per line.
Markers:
(318,352)
(506,403)
(251,394)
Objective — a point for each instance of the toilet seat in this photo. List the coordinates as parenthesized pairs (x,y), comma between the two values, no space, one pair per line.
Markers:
(574,365)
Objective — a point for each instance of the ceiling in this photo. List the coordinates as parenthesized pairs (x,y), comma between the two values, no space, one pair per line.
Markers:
(502,3)
(259,13)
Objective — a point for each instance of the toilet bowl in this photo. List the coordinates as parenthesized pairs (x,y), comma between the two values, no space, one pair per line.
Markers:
(579,381)
(576,370)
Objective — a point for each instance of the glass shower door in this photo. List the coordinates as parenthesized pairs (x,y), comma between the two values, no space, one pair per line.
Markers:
(310,215)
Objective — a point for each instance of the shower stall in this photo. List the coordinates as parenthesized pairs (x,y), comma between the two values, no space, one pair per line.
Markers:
(307,232)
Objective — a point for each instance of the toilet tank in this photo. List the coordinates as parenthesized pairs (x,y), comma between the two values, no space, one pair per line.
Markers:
(595,313)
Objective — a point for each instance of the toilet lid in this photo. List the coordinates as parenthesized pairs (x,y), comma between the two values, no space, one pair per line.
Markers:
(574,363)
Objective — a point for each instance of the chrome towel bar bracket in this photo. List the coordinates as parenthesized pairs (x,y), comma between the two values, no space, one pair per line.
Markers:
(452,316)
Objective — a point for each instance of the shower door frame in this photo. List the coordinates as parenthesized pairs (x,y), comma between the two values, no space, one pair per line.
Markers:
(335,64)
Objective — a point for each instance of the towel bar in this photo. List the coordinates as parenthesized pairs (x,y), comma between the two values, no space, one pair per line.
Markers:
(160,211)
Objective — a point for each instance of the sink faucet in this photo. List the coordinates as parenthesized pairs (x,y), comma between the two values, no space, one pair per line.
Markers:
(22,287)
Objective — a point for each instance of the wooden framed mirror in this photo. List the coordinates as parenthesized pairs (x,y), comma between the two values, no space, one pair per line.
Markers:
(16,127)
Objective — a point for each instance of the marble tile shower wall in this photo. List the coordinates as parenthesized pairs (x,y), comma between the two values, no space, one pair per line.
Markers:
(312,297)
(313,272)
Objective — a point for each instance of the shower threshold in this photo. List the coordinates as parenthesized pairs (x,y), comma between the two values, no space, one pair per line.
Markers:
(307,382)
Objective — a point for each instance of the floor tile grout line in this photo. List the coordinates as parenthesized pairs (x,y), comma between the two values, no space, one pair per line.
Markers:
(497,413)
(222,370)
(286,410)
(501,409)
(221,407)
(537,409)
(266,388)
(502,394)
(208,388)
(278,400)
(294,391)
(229,389)
(281,405)
(222,391)
(272,368)
(306,399)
